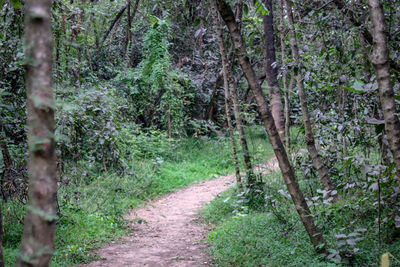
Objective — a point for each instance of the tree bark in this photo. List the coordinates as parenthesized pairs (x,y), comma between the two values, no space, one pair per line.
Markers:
(287,88)
(8,163)
(40,222)
(231,132)
(380,60)
(287,170)
(310,141)
(128,28)
(271,71)
(227,69)
(119,15)
(214,95)
(1,240)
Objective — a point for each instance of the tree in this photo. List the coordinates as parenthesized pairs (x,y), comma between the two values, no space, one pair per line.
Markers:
(1,240)
(227,71)
(310,140)
(288,173)
(381,62)
(271,70)
(40,221)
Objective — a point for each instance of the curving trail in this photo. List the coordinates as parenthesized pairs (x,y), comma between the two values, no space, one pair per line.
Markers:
(170,233)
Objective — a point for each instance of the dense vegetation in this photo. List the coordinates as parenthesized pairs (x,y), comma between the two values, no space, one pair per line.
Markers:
(107,104)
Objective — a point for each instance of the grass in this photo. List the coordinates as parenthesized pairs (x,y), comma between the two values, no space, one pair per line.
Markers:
(276,237)
(93,202)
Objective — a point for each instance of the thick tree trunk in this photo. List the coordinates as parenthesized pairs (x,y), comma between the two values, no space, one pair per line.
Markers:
(310,141)
(271,71)
(265,113)
(40,222)
(380,60)
(235,100)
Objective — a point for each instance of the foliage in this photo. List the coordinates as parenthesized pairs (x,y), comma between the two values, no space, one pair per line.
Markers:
(92,202)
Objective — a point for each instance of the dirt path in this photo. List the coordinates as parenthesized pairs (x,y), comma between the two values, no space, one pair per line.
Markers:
(170,233)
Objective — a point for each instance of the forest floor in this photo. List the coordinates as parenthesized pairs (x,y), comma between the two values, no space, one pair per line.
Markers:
(168,231)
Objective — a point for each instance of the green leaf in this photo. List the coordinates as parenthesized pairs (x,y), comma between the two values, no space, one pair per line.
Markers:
(245,9)
(196,22)
(16,4)
(350,160)
(351,89)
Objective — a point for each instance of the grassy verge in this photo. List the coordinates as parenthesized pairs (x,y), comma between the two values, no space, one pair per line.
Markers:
(276,237)
(93,202)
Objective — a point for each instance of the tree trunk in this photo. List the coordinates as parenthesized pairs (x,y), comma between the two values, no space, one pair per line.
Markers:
(231,132)
(271,71)
(380,60)
(128,28)
(235,100)
(117,17)
(287,170)
(310,141)
(169,124)
(1,240)
(40,222)
(287,88)
(8,164)
(214,95)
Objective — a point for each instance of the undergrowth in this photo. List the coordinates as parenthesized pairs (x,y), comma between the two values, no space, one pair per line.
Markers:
(276,237)
(92,201)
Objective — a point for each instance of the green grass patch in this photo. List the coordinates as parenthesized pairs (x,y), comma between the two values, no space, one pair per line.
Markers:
(93,202)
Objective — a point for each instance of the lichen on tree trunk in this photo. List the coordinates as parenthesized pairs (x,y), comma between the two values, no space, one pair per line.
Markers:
(381,62)
(40,222)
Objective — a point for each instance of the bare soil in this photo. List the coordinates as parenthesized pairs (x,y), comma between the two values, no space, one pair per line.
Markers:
(168,231)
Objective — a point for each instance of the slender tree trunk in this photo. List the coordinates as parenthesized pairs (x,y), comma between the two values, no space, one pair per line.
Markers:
(8,164)
(1,240)
(287,170)
(310,141)
(288,88)
(134,11)
(214,95)
(128,28)
(380,60)
(40,222)
(235,100)
(116,19)
(231,132)
(169,124)
(364,53)
(271,71)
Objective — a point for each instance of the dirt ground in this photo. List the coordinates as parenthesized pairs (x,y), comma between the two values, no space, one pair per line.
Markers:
(169,231)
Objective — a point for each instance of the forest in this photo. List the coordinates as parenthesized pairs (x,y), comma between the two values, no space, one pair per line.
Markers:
(199,133)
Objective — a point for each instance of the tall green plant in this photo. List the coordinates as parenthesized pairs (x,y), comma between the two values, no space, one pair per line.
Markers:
(161,81)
